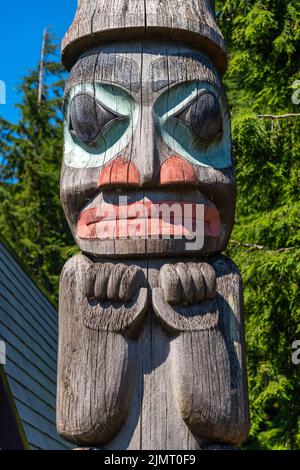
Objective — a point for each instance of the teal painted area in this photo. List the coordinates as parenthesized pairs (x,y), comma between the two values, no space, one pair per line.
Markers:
(115,136)
(180,137)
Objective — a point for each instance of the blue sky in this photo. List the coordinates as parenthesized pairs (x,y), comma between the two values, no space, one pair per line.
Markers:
(21,28)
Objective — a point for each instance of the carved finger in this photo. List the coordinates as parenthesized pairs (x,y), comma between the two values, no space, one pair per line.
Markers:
(210,280)
(171,284)
(196,273)
(187,282)
(132,280)
(114,282)
(103,272)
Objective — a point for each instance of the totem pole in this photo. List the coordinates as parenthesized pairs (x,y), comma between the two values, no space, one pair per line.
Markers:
(151,347)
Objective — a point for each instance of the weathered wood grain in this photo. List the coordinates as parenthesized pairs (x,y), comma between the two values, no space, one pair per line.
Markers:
(188,21)
(190,385)
(208,365)
(151,348)
(147,162)
(97,367)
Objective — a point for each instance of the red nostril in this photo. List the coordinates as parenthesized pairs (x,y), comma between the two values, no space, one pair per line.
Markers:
(119,172)
(177,170)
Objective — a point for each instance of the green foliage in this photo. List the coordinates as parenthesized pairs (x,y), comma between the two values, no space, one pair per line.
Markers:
(263,40)
(31,218)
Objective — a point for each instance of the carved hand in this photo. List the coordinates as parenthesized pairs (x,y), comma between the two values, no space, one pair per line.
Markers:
(102,307)
(186,298)
(115,298)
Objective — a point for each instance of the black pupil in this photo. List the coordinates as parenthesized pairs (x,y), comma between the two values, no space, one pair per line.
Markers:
(205,117)
(88,118)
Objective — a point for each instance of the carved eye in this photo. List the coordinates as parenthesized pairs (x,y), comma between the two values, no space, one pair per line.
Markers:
(204,117)
(88,118)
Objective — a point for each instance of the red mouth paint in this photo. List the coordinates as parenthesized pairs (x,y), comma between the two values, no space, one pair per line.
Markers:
(147,219)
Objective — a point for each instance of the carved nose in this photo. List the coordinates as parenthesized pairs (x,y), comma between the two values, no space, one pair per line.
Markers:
(148,164)
(176,170)
(119,172)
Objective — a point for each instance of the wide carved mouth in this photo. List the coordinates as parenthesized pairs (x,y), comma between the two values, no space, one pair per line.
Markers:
(149,215)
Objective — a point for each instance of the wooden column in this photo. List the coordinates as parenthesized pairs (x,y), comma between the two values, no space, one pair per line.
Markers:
(151,348)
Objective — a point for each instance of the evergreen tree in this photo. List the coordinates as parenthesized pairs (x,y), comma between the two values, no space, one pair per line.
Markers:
(263,43)
(31,218)
(264,49)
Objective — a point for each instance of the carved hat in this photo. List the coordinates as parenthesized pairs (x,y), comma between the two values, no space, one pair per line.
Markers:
(191,22)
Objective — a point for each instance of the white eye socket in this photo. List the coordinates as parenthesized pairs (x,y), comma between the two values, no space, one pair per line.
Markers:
(88,118)
(100,120)
(193,120)
(204,117)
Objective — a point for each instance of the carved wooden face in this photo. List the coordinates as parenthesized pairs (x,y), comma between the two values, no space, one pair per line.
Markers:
(147,127)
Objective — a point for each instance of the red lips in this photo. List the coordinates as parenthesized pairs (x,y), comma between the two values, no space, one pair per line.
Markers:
(147,218)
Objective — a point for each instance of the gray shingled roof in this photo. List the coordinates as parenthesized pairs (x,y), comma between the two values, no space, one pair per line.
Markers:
(29,327)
